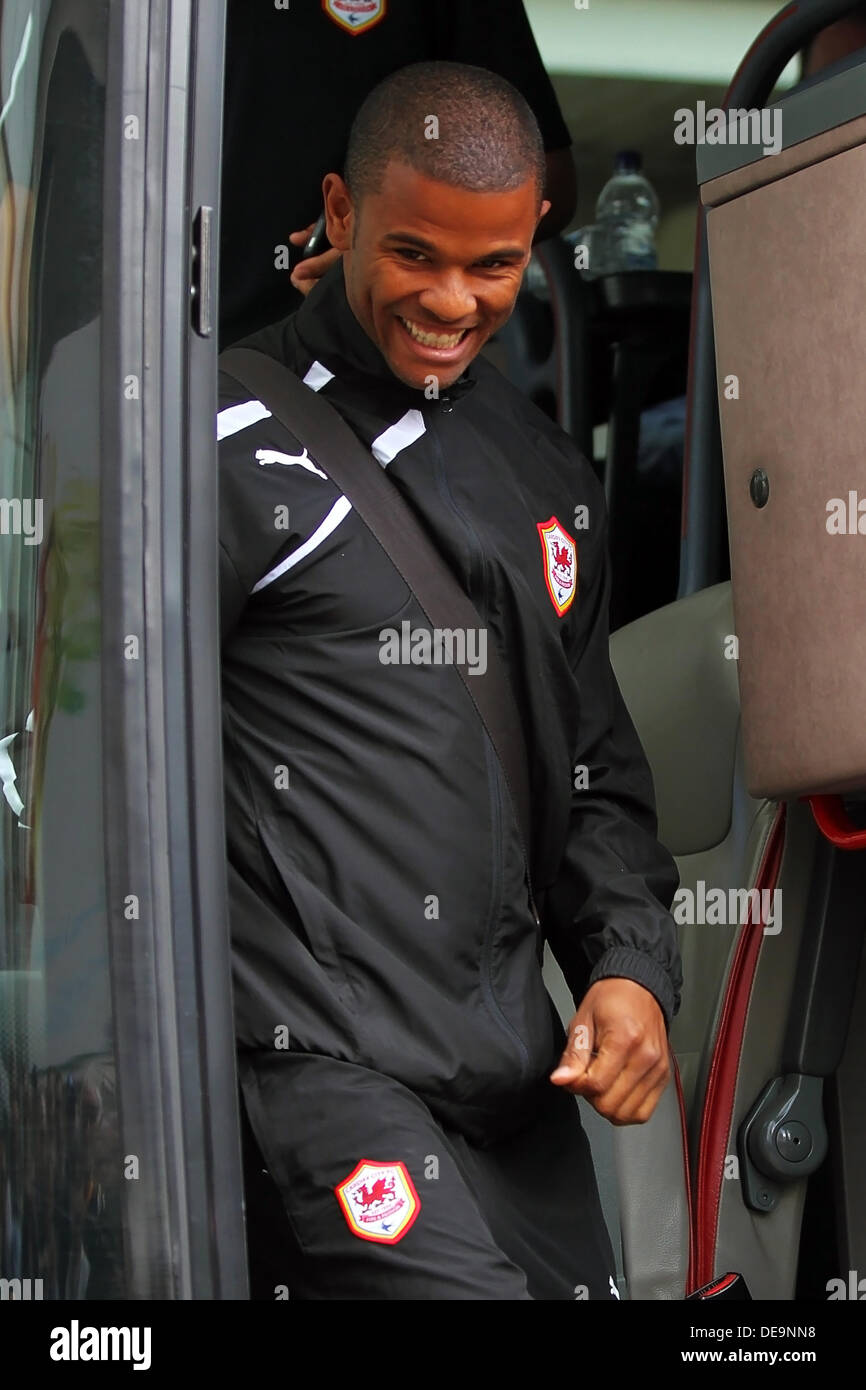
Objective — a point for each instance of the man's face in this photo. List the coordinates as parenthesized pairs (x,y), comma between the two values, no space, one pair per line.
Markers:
(431,271)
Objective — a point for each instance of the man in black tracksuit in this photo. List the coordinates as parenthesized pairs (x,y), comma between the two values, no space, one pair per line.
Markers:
(395,1038)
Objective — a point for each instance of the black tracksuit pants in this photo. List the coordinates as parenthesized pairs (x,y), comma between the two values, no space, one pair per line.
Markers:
(354,1191)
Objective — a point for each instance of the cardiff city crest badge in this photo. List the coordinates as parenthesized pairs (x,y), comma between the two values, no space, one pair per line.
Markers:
(379,1201)
(355,15)
(560,563)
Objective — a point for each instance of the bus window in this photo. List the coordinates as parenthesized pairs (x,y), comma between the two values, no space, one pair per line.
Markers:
(60,1166)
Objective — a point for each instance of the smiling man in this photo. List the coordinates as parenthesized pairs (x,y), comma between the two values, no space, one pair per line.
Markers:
(405,1078)
(432,267)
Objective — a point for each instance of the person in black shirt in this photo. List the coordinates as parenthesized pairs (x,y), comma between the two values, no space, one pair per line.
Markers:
(295,77)
(405,1078)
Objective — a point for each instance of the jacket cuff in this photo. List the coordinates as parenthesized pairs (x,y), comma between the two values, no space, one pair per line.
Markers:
(628,964)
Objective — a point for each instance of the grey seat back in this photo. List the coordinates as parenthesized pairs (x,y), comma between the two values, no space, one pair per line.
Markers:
(677,669)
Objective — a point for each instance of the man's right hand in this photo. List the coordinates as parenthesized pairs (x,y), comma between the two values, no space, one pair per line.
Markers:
(306,273)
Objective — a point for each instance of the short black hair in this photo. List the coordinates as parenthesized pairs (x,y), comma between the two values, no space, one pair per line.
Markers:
(485,139)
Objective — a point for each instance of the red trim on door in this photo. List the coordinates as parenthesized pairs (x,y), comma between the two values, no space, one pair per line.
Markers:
(686,1173)
(722,1080)
(834,822)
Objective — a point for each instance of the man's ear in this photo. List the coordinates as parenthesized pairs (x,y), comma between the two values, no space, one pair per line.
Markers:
(339,212)
(543,210)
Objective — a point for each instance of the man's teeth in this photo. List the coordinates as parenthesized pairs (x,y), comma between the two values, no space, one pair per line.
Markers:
(437,340)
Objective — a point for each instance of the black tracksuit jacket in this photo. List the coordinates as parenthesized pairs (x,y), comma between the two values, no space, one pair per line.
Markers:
(378,904)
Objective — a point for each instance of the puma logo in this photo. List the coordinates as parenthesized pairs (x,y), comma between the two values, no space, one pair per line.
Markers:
(274,456)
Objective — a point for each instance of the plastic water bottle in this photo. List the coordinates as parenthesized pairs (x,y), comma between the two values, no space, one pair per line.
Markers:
(627,212)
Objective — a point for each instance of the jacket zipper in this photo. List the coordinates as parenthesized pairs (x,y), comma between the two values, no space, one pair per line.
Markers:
(486,973)
(494,780)
(477,556)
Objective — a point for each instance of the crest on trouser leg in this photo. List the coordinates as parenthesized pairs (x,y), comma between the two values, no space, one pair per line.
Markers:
(379,1201)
